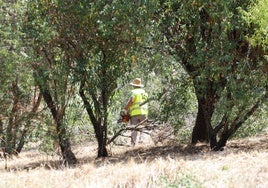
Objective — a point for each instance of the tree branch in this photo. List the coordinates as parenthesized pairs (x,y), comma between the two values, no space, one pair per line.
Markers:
(136,127)
(221,124)
(239,121)
(87,104)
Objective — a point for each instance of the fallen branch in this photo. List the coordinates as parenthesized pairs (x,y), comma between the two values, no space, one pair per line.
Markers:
(136,127)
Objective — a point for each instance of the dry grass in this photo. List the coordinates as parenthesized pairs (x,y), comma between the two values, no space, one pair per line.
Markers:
(244,163)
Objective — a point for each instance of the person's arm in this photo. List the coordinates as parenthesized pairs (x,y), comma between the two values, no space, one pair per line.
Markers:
(130,102)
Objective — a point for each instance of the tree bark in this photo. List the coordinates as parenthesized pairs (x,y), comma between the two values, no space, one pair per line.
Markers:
(99,129)
(100,135)
(206,98)
(200,130)
(65,146)
(64,142)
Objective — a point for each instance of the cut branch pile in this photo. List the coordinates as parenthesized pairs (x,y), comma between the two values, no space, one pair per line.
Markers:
(159,132)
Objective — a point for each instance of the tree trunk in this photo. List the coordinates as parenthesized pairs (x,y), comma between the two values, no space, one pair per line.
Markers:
(2,143)
(12,124)
(100,135)
(64,142)
(99,129)
(222,142)
(21,142)
(200,130)
(207,98)
(203,131)
(65,146)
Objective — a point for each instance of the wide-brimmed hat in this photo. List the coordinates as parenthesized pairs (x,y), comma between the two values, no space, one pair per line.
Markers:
(136,82)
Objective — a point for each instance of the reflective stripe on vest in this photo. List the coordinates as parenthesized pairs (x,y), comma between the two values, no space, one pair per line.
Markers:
(139,96)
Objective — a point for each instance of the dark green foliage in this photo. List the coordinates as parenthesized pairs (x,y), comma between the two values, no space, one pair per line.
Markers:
(19,101)
(197,59)
(209,40)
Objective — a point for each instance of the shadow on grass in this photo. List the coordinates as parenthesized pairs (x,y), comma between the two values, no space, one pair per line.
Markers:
(141,154)
(185,152)
(147,154)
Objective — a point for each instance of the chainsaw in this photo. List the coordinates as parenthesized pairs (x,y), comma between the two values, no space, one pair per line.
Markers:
(124,117)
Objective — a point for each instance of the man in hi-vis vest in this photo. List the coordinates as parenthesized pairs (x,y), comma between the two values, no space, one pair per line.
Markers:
(136,107)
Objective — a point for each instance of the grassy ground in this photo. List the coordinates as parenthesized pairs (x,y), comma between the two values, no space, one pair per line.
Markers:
(243,163)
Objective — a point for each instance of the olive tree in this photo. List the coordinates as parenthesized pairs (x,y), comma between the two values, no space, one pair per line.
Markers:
(209,40)
(95,41)
(20,100)
(116,30)
(50,66)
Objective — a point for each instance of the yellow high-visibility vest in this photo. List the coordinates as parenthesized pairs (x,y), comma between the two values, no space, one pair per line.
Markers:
(136,108)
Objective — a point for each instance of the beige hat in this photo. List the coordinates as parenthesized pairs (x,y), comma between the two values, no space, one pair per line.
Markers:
(137,82)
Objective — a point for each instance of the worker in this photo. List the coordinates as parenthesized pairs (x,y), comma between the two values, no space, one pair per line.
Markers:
(137,107)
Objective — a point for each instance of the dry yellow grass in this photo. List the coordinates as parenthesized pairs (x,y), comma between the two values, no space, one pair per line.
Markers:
(244,163)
